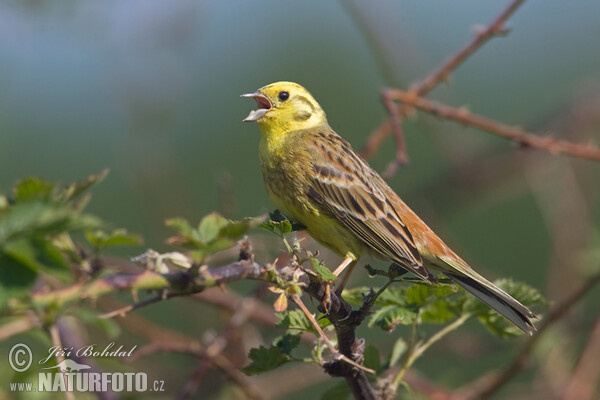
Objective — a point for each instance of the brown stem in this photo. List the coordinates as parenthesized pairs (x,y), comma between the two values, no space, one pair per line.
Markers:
(514,134)
(442,73)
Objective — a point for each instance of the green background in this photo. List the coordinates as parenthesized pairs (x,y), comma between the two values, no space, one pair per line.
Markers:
(150,89)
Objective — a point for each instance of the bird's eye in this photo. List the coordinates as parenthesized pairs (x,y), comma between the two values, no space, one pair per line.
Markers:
(283,96)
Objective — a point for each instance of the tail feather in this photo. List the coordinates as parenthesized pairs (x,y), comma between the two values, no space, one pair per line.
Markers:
(497,299)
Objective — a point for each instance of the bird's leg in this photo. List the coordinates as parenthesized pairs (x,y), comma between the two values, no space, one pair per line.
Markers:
(343,266)
(346,277)
(327,298)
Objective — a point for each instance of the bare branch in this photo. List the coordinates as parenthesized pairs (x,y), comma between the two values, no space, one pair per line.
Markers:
(514,134)
(442,74)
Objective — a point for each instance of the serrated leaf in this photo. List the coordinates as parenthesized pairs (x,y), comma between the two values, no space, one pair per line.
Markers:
(493,321)
(397,351)
(119,237)
(265,359)
(210,226)
(322,271)
(392,296)
(437,312)
(236,229)
(355,295)
(340,391)
(417,294)
(388,317)
(277,223)
(294,319)
(74,190)
(40,218)
(441,291)
(287,343)
(32,188)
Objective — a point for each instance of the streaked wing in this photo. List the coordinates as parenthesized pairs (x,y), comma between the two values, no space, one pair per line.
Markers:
(345,188)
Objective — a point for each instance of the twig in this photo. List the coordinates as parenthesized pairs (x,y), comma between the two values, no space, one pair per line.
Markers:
(442,73)
(496,381)
(583,382)
(336,354)
(198,350)
(18,325)
(395,117)
(56,342)
(514,134)
(124,310)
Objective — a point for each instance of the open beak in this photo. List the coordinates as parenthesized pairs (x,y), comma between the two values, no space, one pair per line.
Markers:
(264,105)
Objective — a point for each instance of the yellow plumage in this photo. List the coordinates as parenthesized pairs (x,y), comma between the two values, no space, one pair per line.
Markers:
(314,177)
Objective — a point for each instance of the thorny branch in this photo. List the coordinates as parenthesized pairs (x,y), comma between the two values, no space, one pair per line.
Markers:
(182,283)
(514,134)
(424,86)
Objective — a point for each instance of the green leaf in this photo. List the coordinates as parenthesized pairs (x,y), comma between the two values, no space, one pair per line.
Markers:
(494,322)
(15,279)
(74,190)
(265,359)
(119,237)
(37,218)
(210,226)
(287,343)
(388,317)
(294,319)
(372,359)
(32,188)
(438,312)
(397,351)
(236,229)
(322,271)
(340,391)
(417,294)
(278,224)
(392,296)
(355,295)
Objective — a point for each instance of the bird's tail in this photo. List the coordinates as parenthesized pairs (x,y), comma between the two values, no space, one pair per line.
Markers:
(491,295)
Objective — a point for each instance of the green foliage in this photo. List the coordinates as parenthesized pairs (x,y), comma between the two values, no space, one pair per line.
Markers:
(322,271)
(268,358)
(494,322)
(213,234)
(33,222)
(401,305)
(297,320)
(278,224)
(388,317)
(100,239)
(398,350)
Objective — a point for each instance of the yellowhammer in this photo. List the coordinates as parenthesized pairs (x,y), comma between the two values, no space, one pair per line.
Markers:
(314,177)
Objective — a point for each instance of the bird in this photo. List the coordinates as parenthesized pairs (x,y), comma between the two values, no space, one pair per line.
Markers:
(314,177)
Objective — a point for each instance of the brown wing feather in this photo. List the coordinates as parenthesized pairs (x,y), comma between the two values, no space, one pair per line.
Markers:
(346,188)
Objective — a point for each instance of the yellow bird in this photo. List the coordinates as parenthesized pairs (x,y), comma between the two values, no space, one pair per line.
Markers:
(314,177)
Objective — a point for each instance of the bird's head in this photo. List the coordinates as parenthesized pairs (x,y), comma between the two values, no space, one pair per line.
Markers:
(285,107)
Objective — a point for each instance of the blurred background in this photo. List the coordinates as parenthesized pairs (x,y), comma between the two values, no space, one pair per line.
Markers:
(150,89)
